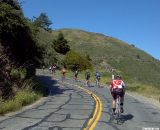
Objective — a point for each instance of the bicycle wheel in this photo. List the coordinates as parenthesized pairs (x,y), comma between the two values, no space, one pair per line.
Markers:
(118,109)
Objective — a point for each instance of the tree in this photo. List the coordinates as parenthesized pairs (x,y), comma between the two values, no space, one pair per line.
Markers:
(76,59)
(17,38)
(61,44)
(132,45)
(14,3)
(88,57)
(43,21)
(138,56)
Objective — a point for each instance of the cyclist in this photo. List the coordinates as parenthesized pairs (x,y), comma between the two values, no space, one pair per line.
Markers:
(87,77)
(63,72)
(117,87)
(54,68)
(97,75)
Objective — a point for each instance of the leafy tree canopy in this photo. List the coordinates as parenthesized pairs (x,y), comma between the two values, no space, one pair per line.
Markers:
(74,58)
(14,3)
(43,21)
(61,44)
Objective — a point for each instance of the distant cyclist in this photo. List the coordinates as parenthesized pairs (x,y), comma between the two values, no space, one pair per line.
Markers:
(87,77)
(97,76)
(54,68)
(117,87)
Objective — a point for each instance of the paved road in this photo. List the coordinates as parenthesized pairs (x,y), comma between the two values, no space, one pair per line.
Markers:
(66,108)
(137,115)
(70,108)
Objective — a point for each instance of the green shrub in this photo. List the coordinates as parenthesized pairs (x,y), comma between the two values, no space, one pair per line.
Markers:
(25,97)
(23,73)
(10,105)
(18,73)
(73,58)
(15,74)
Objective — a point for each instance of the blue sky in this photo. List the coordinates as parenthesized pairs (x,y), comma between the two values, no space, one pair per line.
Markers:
(134,21)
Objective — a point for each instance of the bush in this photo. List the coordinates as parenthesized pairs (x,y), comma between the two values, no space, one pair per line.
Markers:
(23,73)
(73,58)
(18,73)
(15,74)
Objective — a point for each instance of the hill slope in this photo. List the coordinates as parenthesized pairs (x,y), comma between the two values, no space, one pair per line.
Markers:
(109,53)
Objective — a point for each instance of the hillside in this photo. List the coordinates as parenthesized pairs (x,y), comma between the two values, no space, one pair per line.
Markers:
(109,54)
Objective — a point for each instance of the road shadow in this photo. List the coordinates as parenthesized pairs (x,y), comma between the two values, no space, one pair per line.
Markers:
(52,87)
(127,117)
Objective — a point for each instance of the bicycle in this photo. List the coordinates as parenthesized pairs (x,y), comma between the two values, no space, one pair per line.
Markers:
(118,110)
(87,84)
(63,78)
(97,82)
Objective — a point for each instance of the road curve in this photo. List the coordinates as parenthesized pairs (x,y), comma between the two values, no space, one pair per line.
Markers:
(69,107)
(66,108)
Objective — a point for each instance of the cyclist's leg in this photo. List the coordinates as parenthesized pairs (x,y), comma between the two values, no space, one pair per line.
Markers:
(86,84)
(98,83)
(76,77)
(114,102)
(121,102)
(63,77)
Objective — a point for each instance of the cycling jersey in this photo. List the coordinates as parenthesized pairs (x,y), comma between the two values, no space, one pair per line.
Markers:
(63,71)
(117,88)
(76,72)
(117,84)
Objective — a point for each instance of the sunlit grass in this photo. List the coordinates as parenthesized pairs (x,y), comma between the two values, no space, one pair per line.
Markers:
(143,89)
(23,97)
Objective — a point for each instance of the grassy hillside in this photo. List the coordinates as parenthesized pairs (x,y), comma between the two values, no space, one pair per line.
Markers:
(109,53)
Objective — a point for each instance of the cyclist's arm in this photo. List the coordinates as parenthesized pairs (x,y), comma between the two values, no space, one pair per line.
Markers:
(124,86)
(111,87)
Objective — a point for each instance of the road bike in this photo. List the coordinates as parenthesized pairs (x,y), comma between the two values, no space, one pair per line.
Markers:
(87,84)
(118,110)
(97,82)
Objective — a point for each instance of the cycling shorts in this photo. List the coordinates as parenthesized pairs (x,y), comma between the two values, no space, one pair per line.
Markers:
(116,92)
(87,77)
(98,78)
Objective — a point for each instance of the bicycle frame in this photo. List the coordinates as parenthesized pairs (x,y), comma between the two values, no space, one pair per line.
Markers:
(117,111)
(63,78)
(97,83)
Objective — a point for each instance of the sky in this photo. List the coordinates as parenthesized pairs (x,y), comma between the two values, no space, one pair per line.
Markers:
(133,21)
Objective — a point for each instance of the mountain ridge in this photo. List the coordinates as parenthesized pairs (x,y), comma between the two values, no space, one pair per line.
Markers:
(128,60)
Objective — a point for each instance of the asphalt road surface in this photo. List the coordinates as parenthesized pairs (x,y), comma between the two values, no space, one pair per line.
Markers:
(69,107)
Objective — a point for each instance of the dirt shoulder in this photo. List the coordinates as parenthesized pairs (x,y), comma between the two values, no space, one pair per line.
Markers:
(144,99)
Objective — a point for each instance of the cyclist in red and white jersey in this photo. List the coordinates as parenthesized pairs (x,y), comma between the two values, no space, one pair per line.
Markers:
(117,87)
